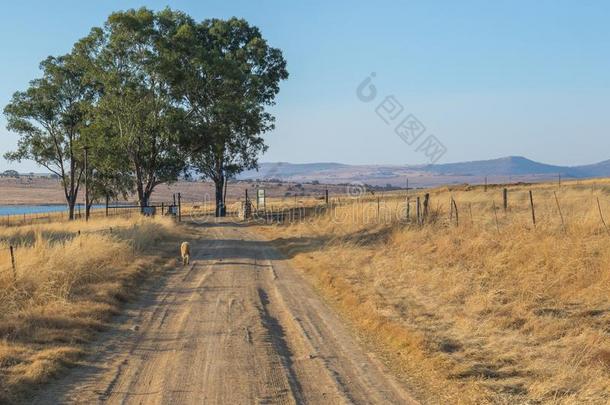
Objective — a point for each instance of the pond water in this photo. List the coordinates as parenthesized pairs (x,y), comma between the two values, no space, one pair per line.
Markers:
(37,209)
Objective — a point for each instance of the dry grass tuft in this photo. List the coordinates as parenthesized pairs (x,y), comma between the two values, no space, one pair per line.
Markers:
(70,279)
(465,313)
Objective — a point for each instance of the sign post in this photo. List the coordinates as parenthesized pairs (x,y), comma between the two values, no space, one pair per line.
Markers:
(260,199)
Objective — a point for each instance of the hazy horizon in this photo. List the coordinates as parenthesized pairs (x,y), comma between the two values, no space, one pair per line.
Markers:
(263,162)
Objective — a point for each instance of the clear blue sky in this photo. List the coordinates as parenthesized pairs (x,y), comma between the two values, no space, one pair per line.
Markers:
(488,79)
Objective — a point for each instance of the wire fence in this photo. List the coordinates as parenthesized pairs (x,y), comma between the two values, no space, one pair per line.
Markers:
(234,207)
(12,249)
(495,209)
(80,215)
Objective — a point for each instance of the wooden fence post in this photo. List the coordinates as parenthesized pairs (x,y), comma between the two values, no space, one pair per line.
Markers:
(179,208)
(457,220)
(13,263)
(408,209)
(599,207)
(426,206)
(505,198)
(418,211)
(533,209)
(563,225)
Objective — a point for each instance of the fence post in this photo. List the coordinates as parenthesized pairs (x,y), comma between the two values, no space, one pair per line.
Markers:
(505,198)
(563,225)
(599,207)
(326,196)
(107,202)
(179,208)
(533,209)
(246,211)
(418,211)
(13,263)
(457,220)
(426,206)
(86,151)
(162,208)
(485,183)
(408,208)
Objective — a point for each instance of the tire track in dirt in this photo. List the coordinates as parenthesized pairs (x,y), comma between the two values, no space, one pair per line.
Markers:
(238,326)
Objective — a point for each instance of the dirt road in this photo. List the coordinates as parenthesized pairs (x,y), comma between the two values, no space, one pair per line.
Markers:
(238,326)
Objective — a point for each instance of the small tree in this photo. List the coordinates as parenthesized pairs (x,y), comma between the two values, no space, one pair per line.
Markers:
(11,173)
(49,117)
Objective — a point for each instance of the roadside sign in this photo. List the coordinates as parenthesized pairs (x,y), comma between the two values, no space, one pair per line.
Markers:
(260,198)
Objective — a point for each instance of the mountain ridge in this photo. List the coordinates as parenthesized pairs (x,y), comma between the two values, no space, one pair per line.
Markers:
(503,169)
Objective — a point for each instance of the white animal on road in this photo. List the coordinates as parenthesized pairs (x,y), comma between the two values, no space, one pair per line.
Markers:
(185,251)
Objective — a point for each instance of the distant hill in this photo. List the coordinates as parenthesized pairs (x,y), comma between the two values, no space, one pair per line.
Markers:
(282,170)
(601,169)
(506,169)
(507,166)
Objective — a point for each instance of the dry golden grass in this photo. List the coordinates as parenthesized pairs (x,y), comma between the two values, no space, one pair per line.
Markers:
(66,287)
(467,313)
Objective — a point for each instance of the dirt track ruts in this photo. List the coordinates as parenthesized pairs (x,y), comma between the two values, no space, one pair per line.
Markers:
(237,326)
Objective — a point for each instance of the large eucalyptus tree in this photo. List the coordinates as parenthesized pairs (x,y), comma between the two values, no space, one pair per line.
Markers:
(224,74)
(135,107)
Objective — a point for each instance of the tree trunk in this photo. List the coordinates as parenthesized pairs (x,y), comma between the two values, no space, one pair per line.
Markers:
(88,207)
(146,198)
(142,197)
(221,210)
(71,204)
(71,209)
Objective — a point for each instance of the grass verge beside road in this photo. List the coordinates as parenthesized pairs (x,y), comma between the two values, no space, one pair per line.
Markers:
(489,310)
(69,280)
